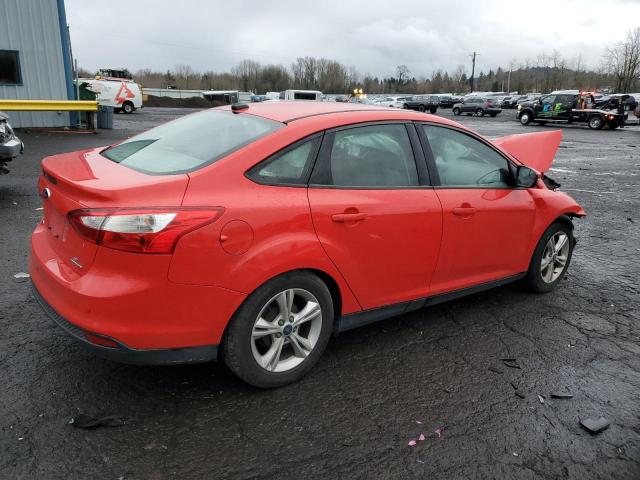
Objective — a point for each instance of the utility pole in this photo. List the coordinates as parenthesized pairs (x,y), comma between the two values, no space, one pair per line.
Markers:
(473,69)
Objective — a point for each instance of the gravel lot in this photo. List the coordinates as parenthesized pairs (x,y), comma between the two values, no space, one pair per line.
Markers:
(376,387)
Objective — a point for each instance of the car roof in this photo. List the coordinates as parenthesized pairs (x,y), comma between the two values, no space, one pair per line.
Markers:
(336,113)
(286,112)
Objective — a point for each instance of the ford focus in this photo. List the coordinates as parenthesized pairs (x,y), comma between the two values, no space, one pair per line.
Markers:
(251,234)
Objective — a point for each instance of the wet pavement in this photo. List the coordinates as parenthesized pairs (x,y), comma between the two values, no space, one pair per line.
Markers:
(376,387)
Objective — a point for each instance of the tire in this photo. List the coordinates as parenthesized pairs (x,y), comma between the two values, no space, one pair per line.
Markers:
(241,352)
(479,112)
(127,107)
(595,122)
(525,118)
(543,279)
(493,115)
(421,108)
(456,111)
(433,110)
(405,106)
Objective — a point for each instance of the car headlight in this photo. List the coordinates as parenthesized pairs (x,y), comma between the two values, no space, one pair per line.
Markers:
(519,107)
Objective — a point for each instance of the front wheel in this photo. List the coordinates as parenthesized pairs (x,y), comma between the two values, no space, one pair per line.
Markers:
(421,108)
(551,258)
(280,331)
(433,110)
(456,111)
(480,112)
(525,118)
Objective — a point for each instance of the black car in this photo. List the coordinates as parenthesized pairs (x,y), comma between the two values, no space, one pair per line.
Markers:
(512,101)
(422,103)
(563,107)
(477,106)
(448,101)
(612,102)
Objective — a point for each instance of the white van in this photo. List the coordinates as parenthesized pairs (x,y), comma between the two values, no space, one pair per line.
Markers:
(122,95)
(311,95)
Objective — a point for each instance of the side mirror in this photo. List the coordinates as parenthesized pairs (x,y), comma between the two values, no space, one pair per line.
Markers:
(526,177)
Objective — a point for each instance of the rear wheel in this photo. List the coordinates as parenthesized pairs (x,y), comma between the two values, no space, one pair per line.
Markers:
(405,106)
(280,331)
(421,108)
(127,107)
(551,258)
(596,122)
(456,111)
(479,112)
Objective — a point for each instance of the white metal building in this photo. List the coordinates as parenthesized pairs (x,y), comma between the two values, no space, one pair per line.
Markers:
(35,58)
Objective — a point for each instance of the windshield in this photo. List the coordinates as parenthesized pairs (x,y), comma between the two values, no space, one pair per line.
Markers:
(190,142)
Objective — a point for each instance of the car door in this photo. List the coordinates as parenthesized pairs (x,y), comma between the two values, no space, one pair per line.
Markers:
(487,223)
(375,214)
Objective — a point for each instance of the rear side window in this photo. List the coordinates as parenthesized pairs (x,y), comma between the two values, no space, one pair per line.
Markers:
(375,156)
(190,142)
(290,167)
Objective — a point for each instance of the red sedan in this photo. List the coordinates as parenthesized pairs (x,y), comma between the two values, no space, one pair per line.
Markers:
(253,233)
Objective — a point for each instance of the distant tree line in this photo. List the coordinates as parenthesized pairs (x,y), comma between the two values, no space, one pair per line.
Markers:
(619,71)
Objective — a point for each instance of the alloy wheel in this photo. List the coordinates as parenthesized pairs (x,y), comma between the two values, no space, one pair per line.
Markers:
(554,257)
(286,330)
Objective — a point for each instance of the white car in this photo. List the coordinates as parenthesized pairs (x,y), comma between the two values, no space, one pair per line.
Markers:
(394,102)
(121,94)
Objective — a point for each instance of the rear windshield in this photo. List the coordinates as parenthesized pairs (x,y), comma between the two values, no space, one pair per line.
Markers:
(190,142)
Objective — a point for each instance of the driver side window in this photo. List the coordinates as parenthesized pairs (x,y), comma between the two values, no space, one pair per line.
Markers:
(462,161)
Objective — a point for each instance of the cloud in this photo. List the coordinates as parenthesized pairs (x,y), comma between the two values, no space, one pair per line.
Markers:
(373,36)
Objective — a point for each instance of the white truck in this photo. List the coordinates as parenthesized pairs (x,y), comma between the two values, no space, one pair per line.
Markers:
(309,95)
(121,94)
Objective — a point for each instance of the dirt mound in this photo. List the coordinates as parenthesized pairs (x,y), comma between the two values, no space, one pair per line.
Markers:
(168,102)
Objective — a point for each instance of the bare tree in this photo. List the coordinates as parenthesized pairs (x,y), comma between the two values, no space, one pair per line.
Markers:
(402,74)
(249,72)
(623,61)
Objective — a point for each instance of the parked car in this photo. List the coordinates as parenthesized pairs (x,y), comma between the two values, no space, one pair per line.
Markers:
(563,108)
(422,103)
(393,101)
(448,101)
(512,101)
(10,145)
(293,221)
(477,106)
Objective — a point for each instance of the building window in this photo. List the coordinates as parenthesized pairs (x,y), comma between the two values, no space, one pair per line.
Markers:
(9,67)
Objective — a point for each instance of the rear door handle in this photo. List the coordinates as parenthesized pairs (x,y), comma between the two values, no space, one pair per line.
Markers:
(464,210)
(348,217)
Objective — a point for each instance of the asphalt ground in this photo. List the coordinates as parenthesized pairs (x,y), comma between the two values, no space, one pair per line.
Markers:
(377,387)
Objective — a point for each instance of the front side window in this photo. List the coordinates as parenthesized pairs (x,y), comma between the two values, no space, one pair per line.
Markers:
(463,161)
(375,156)
(190,142)
(290,167)
(9,67)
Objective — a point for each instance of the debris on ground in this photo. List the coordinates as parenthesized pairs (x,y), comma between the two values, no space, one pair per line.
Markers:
(541,398)
(495,370)
(87,421)
(595,425)
(514,385)
(519,394)
(511,363)
(561,395)
(21,276)
(412,443)
(515,454)
(421,437)
(439,431)
(549,420)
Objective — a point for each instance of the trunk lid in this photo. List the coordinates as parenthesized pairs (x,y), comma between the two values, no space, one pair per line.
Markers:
(86,179)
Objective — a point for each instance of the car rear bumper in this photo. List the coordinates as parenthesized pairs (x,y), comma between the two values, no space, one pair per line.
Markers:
(128,299)
(122,353)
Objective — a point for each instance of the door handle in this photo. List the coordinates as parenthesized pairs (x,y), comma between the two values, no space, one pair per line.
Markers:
(348,217)
(464,211)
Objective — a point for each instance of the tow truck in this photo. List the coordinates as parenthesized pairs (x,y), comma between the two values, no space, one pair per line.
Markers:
(568,106)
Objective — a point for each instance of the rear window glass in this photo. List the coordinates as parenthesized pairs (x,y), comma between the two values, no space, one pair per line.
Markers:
(190,142)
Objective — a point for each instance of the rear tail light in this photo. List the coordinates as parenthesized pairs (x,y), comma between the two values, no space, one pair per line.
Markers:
(145,230)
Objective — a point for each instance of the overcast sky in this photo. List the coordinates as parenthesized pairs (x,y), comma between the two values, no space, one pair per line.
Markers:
(372,35)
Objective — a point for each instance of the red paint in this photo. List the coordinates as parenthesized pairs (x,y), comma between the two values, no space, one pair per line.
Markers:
(536,150)
(378,246)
